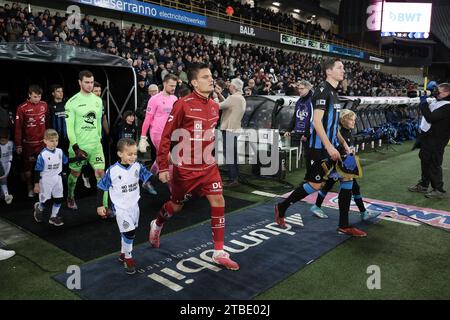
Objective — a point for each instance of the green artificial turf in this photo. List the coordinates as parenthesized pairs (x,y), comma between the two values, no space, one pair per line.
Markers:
(413,260)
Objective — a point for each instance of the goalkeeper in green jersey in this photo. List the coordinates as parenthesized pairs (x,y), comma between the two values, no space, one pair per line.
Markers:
(84,129)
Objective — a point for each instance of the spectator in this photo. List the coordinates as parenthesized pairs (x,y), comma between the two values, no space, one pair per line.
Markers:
(229,11)
(127,127)
(251,86)
(233,110)
(152,90)
(247,92)
(160,52)
(141,107)
(267,89)
(142,93)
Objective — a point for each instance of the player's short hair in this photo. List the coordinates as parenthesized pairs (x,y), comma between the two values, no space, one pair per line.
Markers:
(85,74)
(194,70)
(55,87)
(328,64)
(125,142)
(170,77)
(34,88)
(445,86)
(97,84)
(345,114)
(50,134)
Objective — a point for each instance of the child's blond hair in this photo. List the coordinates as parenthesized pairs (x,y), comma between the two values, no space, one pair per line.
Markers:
(345,114)
(50,134)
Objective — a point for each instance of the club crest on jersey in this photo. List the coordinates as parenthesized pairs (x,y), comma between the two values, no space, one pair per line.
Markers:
(125,225)
(90,118)
(301,114)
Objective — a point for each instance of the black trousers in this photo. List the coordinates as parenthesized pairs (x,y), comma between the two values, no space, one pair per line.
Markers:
(431,157)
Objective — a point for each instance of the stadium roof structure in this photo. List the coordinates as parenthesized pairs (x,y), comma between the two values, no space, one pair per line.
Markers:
(50,62)
(440,24)
(52,52)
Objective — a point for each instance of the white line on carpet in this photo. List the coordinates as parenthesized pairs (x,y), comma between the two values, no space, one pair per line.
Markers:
(415,224)
(265,194)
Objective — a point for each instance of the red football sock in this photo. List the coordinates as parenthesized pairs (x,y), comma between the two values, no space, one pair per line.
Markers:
(218,226)
(165,213)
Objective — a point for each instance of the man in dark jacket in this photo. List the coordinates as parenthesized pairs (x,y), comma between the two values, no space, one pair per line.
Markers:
(435,127)
(301,119)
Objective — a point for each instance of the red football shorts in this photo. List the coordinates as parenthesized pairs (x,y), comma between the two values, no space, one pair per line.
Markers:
(186,183)
(30,152)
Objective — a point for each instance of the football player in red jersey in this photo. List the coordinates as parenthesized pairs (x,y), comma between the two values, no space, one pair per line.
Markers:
(32,120)
(195,173)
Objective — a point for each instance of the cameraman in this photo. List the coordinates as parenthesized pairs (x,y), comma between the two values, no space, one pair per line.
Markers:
(435,127)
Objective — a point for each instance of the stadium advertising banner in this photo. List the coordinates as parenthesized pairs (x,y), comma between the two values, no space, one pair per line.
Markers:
(242,29)
(149,10)
(375,59)
(304,43)
(406,20)
(346,51)
(316,45)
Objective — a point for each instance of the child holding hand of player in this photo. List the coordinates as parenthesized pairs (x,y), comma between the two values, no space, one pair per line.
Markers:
(122,181)
(48,178)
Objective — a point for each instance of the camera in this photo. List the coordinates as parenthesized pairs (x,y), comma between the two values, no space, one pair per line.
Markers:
(419,93)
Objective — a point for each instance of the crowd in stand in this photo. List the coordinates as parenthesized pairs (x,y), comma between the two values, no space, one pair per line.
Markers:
(268,16)
(155,53)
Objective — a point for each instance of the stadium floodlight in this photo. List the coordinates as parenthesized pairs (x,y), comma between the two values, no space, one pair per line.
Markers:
(276,4)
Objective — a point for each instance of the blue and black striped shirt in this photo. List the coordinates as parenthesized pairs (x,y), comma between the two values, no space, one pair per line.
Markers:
(326,98)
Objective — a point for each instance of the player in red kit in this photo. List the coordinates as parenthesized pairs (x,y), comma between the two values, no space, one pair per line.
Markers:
(191,125)
(31,122)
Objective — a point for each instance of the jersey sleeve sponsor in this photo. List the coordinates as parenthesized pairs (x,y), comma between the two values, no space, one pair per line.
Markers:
(320,98)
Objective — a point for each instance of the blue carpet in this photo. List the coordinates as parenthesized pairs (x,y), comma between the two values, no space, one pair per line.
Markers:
(181,268)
